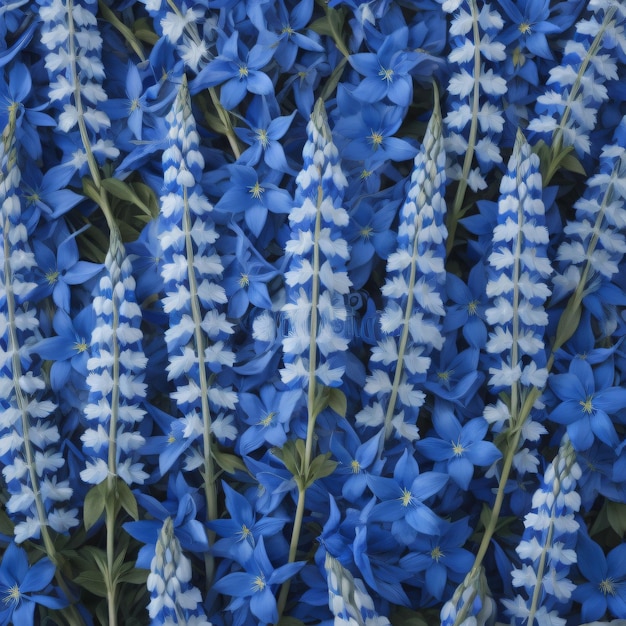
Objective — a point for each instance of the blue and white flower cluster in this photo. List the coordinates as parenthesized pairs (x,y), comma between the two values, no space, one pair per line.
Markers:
(312,312)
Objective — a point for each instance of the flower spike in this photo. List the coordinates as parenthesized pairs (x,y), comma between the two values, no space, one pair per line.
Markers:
(413,295)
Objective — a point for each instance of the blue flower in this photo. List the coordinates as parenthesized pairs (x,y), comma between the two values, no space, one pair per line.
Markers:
(263,136)
(467,310)
(267,413)
(286,26)
(462,447)
(606,588)
(243,530)
(19,582)
(58,271)
(402,499)
(69,349)
(369,134)
(256,585)
(586,403)
(440,556)
(530,22)
(237,72)
(387,71)
(255,198)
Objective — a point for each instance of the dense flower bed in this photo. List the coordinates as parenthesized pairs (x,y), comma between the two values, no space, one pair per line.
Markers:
(312,312)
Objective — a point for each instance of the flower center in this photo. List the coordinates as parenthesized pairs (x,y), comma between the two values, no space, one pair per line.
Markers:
(472,307)
(366,231)
(524,28)
(134,105)
(458,448)
(256,191)
(259,583)
(262,138)
(607,587)
(365,174)
(518,58)
(376,139)
(245,532)
(52,276)
(244,281)
(407,497)
(243,71)
(287,30)
(356,466)
(268,419)
(587,406)
(80,346)
(12,595)
(436,553)
(386,74)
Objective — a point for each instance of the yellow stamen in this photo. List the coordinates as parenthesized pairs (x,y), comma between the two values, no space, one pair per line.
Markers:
(436,553)
(268,419)
(407,497)
(244,281)
(81,346)
(256,191)
(587,406)
(356,466)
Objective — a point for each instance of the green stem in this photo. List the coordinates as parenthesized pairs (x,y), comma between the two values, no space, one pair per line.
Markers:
(209,469)
(405,334)
(311,396)
(456,213)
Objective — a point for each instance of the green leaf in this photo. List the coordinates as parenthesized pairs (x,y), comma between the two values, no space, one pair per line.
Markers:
(126,498)
(401,616)
(337,401)
(568,322)
(290,457)
(92,580)
(95,501)
(90,190)
(228,462)
(124,191)
(616,514)
(144,32)
(320,400)
(321,466)
(572,164)
(286,620)
(132,575)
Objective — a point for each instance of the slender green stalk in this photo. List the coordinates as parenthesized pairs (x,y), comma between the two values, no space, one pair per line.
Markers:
(405,333)
(311,395)
(210,491)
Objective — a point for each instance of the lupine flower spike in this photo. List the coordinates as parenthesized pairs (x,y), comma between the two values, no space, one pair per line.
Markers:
(29,437)
(191,270)
(117,391)
(546,549)
(569,109)
(173,598)
(518,269)
(316,279)
(71,36)
(474,106)
(413,294)
(316,285)
(348,599)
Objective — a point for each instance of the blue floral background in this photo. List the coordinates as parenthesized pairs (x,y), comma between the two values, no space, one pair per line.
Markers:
(312,312)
